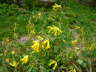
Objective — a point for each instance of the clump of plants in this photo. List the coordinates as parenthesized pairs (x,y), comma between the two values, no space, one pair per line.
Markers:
(55,40)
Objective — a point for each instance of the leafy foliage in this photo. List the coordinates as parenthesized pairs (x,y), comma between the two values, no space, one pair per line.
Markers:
(61,38)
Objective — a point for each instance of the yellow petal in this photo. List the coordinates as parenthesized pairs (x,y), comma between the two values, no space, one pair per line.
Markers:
(74,42)
(36,46)
(54,30)
(25,59)
(14,64)
(53,62)
(13,52)
(46,44)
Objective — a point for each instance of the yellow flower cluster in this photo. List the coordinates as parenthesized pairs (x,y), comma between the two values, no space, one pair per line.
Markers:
(54,30)
(46,44)
(53,62)
(38,45)
(23,60)
(56,6)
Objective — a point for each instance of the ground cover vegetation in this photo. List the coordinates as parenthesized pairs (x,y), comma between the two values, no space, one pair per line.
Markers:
(40,38)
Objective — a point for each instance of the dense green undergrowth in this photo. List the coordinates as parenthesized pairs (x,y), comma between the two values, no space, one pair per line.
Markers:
(48,40)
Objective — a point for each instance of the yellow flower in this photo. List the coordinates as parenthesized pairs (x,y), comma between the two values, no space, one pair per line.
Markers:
(77,27)
(46,44)
(36,46)
(39,14)
(56,6)
(7,59)
(13,64)
(74,42)
(54,30)
(73,70)
(13,52)
(25,59)
(53,62)
(40,38)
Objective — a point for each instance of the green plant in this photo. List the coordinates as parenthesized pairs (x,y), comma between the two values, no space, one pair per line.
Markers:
(48,40)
